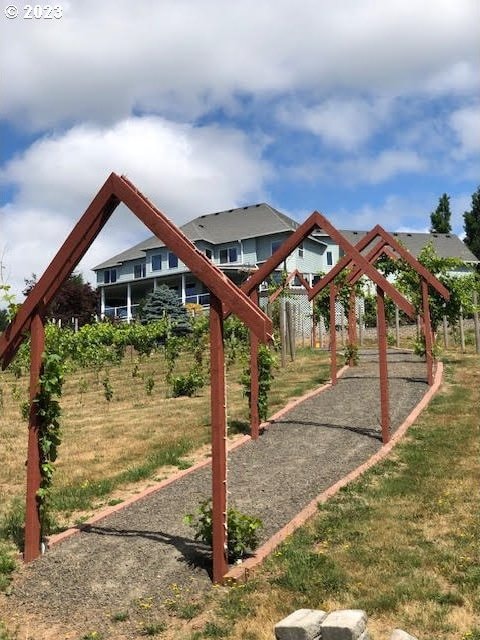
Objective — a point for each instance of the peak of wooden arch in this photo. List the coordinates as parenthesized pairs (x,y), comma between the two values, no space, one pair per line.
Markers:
(115,190)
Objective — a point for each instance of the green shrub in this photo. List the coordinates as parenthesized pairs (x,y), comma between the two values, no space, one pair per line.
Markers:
(188,384)
(242,529)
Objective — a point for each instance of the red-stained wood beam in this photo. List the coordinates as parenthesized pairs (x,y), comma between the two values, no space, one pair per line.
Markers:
(197,262)
(413,262)
(383,366)
(114,190)
(219,442)
(254,381)
(284,285)
(346,260)
(354,254)
(62,265)
(333,334)
(427,332)
(32,547)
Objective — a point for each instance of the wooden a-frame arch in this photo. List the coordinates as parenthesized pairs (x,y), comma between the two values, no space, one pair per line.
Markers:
(364,265)
(224,295)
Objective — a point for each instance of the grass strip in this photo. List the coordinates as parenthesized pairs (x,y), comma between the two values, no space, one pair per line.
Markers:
(401,542)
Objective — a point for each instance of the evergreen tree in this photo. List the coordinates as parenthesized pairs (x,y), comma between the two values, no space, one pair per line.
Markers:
(472,225)
(440,218)
(164,303)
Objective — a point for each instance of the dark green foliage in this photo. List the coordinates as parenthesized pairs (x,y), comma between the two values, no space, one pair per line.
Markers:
(242,529)
(75,299)
(164,303)
(266,363)
(48,411)
(188,384)
(4,320)
(472,225)
(461,288)
(440,218)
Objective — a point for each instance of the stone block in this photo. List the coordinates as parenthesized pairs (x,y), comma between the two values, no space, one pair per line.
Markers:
(346,624)
(303,624)
(399,634)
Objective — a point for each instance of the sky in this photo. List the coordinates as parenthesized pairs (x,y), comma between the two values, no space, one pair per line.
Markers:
(366,111)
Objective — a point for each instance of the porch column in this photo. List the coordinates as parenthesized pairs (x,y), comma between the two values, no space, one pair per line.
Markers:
(102,303)
(129,302)
(184,295)
(155,284)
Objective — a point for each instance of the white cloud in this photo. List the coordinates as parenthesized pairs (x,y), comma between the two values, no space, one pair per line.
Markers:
(343,123)
(102,60)
(184,170)
(466,124)
(361,169)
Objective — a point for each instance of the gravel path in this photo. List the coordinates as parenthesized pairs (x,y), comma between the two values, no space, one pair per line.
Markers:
(140,551)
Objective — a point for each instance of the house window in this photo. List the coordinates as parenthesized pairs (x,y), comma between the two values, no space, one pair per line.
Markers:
(190,292)
(329,258)
(228,255)
(140,270)
(157,262)
(109,276)
(275,245)
(208,253)
(300,250)
(172,261)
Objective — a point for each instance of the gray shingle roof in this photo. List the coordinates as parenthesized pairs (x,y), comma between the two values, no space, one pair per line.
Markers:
(261,219)
(217,228)
(446,245)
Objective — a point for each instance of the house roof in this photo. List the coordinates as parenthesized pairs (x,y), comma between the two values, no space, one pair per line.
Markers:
(262,219)
(217,228)
(446,245)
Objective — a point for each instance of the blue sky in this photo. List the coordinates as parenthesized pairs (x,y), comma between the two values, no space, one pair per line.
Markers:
(367,111)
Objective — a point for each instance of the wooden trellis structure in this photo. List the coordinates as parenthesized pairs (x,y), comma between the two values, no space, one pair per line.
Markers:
(363,265)
(224,295)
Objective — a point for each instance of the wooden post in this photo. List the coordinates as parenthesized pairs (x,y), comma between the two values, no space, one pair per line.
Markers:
(254,383)
(333,335)
(476,322)
(445,332)
(397,326)
(360,322)
(462,332)
(283,334)
(219,441)
(342,324)
(32,515)
(290,328)
(352,319)
(313,337)
(427,332)
(383,366)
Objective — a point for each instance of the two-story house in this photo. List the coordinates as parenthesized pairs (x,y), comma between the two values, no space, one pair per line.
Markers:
(237,240)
